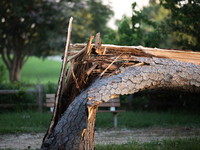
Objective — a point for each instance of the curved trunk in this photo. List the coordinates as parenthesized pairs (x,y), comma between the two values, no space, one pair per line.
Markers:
(75,129)
(121,70)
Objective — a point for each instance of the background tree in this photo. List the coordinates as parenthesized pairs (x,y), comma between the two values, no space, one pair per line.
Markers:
(157,13)
(37,27)
(91,20)
(130,31)
(184,22)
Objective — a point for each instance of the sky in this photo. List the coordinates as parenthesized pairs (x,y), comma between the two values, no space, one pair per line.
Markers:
(121,7)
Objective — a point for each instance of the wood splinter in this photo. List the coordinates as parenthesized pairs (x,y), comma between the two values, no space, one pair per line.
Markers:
(74,77)
(89,71)
(110,65)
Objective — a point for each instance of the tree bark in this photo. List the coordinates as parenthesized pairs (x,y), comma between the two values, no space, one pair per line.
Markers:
(14,64)
(14,74)
(75,129)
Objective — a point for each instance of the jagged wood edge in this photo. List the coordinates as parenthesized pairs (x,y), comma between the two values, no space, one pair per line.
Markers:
(61,81)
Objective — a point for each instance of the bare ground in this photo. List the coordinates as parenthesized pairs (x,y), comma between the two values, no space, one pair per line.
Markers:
(104,136)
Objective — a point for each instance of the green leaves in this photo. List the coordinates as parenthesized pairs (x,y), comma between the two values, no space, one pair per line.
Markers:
(185,22)
(130,31)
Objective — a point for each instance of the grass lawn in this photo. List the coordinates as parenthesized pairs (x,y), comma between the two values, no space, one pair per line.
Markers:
(38,71)
(23,122)
(30,121)
(178,144)
(145,119)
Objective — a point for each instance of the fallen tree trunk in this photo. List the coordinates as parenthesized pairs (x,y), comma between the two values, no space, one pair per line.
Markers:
(75,129)
(98,74)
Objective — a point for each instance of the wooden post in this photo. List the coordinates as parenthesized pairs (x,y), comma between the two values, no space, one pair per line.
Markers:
(115,119)
(39,97)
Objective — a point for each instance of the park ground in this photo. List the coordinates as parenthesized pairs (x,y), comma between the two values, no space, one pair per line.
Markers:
(24,129)
(105,136)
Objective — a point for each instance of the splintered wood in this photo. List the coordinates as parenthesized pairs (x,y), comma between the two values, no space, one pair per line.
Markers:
(93,60)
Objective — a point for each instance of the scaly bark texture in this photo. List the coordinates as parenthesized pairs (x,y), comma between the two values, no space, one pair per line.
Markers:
(75,129)
(157,73)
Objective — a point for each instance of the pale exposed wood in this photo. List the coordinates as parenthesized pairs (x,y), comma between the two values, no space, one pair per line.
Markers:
(61,81)
(139,64)
(74,77)
(181,55)
(110,65)
(89,47)
(104,52)
(78,54)
(88,72)
(186,56)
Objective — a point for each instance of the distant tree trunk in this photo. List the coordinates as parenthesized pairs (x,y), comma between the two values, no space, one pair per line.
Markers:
(14,64)
(15,74)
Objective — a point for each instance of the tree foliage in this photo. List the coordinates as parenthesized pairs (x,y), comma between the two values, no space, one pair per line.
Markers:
(158,14)
(90,20)
(168,24)
(38,27)
(130,32)
(184,22)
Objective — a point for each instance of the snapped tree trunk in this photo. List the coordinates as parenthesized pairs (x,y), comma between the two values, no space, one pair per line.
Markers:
(99,73)
(75,129)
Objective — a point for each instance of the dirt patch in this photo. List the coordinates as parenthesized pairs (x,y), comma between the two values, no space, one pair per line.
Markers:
(104,136)
(122,136)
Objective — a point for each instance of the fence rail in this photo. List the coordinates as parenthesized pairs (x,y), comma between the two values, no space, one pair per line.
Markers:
(38,92)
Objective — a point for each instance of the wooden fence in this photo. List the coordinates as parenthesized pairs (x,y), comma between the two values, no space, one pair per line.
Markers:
(38,92)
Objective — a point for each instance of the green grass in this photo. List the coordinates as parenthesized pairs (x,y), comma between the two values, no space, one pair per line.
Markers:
(38,71)
(16,122)
(177,144)
(145,119)
(13,122)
